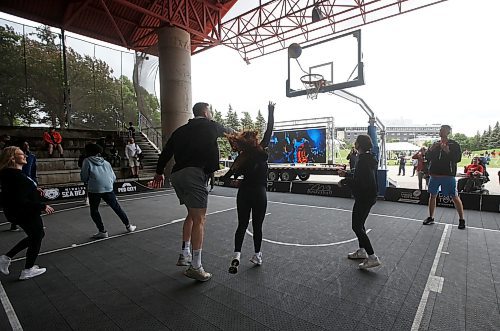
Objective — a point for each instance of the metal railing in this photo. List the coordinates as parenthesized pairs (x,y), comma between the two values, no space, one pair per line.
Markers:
(152,134)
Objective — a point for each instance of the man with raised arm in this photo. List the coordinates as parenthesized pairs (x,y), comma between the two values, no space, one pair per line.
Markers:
(194,148)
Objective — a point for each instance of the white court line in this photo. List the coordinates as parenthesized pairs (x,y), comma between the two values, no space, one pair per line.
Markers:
(375,214)
(9,310)
(120,235)
(118,197)
(304,245)
(434,283)
(122,200)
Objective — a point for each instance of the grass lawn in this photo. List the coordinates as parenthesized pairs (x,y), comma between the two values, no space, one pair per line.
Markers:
(494,163)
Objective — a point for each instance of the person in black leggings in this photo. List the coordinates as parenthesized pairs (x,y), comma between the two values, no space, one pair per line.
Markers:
(363,183)
(22,205)
(252,198)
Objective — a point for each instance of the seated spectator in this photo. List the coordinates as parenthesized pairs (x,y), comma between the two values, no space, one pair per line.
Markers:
(131,130)
(113,156)
(132,152)
(53,139)
(473,174)
(4,141)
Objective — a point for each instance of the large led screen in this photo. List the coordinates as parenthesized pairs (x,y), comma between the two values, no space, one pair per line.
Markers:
(298,146)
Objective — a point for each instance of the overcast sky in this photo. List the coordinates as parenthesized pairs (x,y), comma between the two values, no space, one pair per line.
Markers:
(439,64)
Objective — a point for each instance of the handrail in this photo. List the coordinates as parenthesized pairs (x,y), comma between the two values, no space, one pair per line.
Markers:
(152,134)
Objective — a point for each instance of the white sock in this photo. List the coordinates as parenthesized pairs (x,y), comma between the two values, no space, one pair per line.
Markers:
(196,262)
(259,254)
(372,257)
(362,250)
(186,245)
(236,255)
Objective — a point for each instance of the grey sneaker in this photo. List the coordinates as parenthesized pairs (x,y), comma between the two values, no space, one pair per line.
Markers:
(370,263)
(256,259)
(199,274)
(359,254)
(131,228)
(4,264)
(100,235)
(184,261)
(32,272)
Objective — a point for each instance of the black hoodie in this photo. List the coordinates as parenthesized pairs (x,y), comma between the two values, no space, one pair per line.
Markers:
(442,163)
(363,182)
(20,197)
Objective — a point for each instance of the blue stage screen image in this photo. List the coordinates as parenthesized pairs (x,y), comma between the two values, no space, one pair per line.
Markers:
(298,146)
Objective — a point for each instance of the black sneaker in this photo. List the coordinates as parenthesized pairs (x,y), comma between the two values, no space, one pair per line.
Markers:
(428,221)
(461,224)
(234,266)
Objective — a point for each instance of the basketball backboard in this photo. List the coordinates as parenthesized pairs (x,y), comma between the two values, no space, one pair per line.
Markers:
(337,59)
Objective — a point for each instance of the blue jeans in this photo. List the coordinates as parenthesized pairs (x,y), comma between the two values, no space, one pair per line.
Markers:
(110,199)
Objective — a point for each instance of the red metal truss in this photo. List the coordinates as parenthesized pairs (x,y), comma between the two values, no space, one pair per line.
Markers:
(274,25)
(128,23)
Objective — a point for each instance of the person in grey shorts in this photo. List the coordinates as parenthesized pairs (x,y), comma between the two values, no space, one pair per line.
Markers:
(194,148)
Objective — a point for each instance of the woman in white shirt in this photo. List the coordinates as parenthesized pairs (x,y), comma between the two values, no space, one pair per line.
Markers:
(132,152)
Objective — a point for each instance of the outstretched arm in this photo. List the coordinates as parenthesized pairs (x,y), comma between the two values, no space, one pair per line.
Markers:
(270,124)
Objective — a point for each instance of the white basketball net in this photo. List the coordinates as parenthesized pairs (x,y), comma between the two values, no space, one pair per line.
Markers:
(312,85)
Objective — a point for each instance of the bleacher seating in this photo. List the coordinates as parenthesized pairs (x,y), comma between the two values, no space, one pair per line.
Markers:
(57,170)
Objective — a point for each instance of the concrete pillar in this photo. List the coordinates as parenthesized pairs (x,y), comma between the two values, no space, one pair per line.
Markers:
(174,49)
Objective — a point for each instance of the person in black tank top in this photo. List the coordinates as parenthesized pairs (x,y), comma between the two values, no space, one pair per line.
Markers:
(252,198)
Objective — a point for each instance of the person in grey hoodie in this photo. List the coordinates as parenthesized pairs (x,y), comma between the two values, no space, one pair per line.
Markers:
(99,177)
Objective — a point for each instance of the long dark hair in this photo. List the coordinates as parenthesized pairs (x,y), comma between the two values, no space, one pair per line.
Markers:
(244,141)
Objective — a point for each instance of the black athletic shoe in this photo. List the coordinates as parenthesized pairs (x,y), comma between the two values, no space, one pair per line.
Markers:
(461,224)
(428,221)
(234,266)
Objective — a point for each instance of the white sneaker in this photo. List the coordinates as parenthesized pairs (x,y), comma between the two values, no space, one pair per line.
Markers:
(100,235)
(4,264)
(32,272)
(233,268)
(370,263)
(256,259)
(359,254)
(131,228)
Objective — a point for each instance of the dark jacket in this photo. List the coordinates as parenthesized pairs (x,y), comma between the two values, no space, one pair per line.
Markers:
(363,182)
(29,169)
(442,163)
(193,145)
(20,197)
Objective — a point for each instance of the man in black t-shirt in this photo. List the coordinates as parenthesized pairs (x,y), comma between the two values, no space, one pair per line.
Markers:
(196,153)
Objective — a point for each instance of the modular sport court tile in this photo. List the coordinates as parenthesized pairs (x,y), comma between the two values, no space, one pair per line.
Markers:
(432,278)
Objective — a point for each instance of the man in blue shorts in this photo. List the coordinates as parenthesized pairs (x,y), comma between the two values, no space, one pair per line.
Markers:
(443,157)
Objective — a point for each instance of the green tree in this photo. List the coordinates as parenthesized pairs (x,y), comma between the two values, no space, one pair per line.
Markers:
(232,120)
(462,140)
(15,105)
(260,124)
(224,147)
(247,122)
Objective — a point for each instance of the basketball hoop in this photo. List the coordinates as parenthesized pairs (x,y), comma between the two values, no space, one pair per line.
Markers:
(312,84)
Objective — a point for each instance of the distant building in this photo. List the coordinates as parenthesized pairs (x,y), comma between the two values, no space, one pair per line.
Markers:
(413,134)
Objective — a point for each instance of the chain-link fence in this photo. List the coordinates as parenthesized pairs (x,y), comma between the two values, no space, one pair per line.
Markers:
(72,84)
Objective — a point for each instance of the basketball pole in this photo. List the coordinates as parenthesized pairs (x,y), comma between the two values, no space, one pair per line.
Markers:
(373,123)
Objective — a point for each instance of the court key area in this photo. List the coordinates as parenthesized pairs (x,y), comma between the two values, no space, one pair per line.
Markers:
(432,277)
